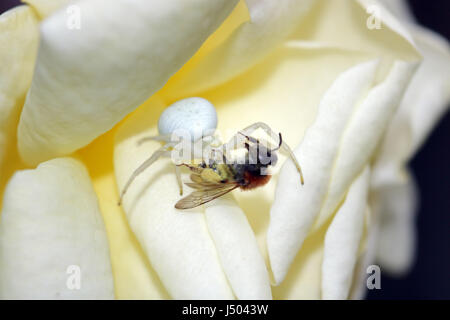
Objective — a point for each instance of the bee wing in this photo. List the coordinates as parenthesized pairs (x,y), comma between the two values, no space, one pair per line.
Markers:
(204,194)
(200,184)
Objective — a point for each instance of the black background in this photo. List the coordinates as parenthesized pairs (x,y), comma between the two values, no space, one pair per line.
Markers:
(430,276)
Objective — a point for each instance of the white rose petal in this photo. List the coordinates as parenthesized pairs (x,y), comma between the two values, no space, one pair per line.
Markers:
(378,11)
(335,149)
(270,23)
(364,131)
(51,230)
(296,206)
(342,240)
(45,8)
(425,101)
(88,79)
(18,48)
(396,207)
(238,250)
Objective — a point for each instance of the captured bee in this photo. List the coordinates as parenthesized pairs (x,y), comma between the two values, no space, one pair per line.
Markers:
(216,179)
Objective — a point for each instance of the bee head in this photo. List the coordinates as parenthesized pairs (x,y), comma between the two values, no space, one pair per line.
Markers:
(259,155)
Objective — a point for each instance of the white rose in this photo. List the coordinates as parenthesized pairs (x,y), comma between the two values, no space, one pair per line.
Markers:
(345,93)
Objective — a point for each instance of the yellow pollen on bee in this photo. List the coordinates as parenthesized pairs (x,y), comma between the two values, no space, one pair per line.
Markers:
(210,175)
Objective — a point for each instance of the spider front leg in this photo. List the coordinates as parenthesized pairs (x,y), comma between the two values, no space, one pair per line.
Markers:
(276,137)
(260,125)
(164,151)
(165,138)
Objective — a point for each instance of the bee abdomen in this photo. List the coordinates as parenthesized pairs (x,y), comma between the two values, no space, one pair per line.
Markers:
(251,181)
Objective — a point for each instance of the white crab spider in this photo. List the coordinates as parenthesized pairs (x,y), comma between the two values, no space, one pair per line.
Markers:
(198,117)
(195,116)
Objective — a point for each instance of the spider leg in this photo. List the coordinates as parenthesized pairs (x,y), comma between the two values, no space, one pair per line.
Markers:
(260,125)
(180,183)
(234,143)
(210,144)
(215,141)
(276,137)
(191,167)
(249,138)
(288,152)
(163,151)
(165,138)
